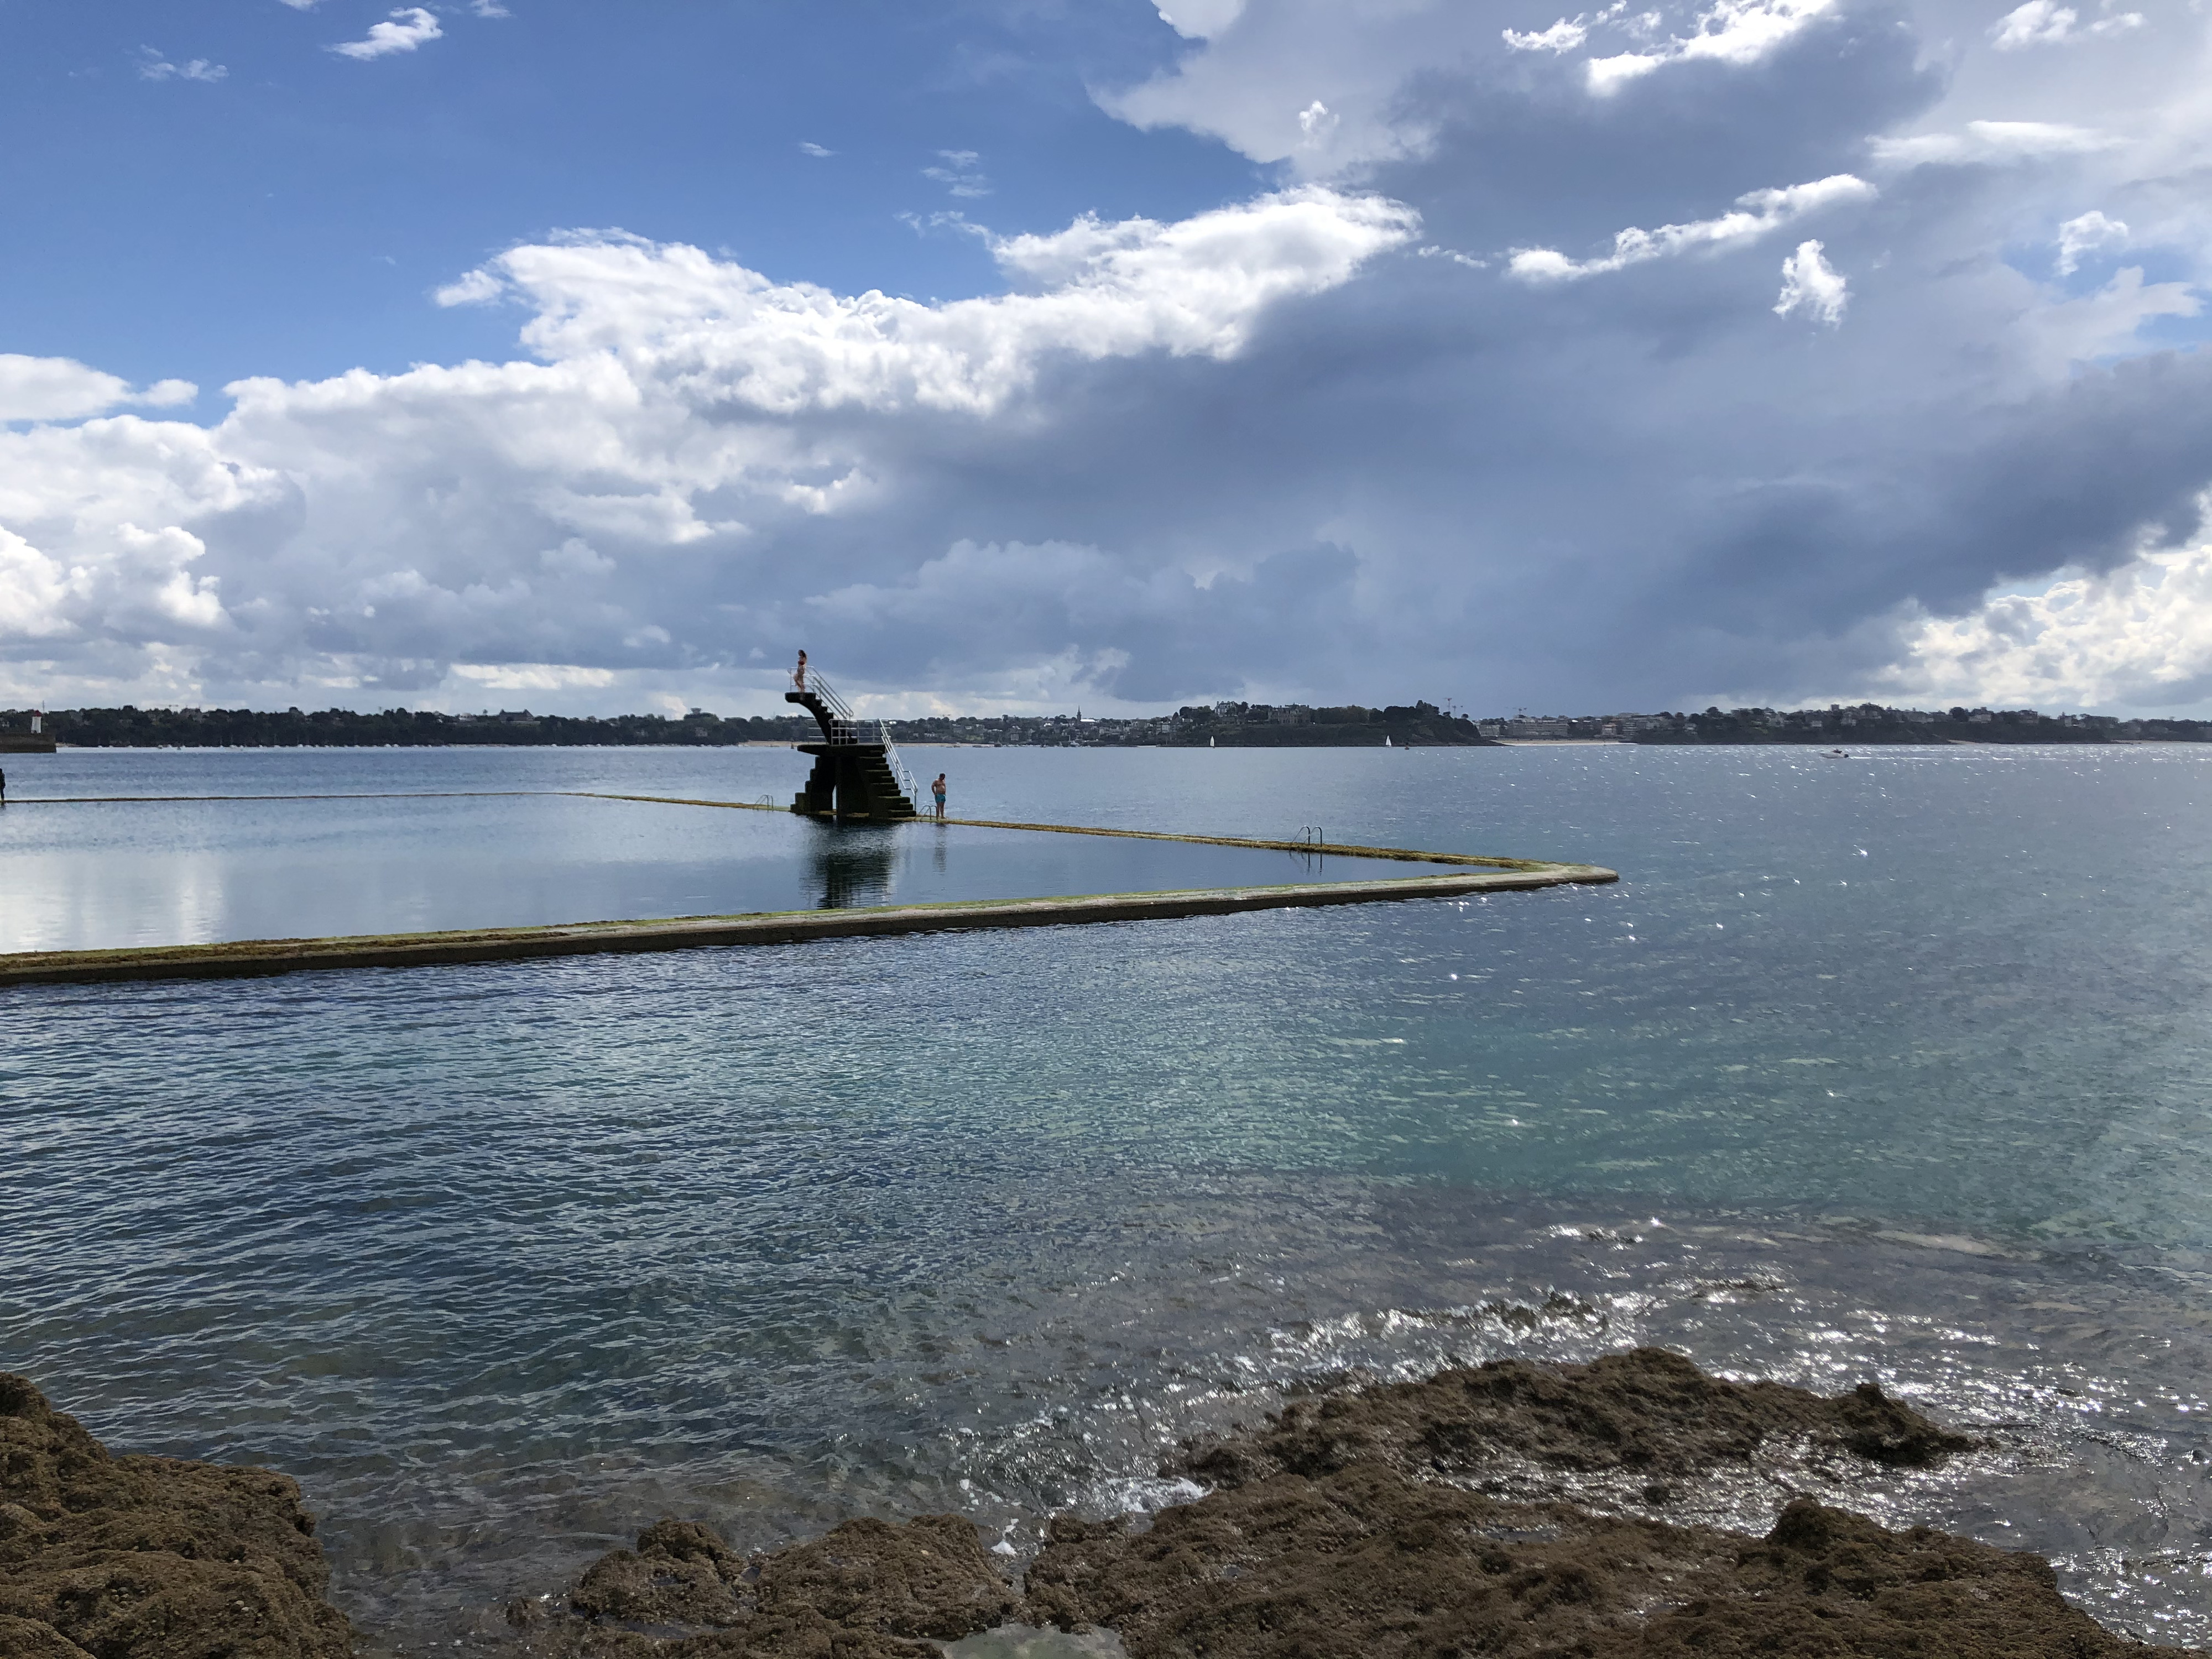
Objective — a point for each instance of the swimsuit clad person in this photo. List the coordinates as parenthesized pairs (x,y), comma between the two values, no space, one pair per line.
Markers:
(937,790)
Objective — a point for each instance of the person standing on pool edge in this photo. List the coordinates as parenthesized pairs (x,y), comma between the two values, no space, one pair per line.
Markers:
(937,790)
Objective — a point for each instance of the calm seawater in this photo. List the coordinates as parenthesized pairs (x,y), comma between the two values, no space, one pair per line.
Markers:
(1894,1067)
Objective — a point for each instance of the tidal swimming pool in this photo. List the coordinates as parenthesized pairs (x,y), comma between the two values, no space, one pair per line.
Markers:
(323,860)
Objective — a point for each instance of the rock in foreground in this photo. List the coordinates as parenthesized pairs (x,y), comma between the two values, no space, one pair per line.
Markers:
(149,1557)
(1356,1526)
(867,1589)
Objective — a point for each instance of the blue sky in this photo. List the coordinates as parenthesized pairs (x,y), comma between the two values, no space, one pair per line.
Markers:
(1011,355)
(291,216)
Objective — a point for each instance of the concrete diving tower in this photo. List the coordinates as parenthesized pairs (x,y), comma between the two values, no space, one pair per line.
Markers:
(857,773)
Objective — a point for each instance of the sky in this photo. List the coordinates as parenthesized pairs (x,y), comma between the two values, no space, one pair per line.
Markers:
(1015,355)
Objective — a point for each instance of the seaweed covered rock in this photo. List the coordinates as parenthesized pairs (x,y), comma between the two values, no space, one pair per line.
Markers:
(1365,1561)
(867,1589)
(1649,1413)
(149,1557)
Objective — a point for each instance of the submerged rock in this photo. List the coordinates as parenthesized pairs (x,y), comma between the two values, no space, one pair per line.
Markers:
(105,1556)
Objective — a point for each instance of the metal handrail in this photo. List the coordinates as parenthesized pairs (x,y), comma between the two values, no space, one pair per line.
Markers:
(900,776)
(822,689)
(846,730)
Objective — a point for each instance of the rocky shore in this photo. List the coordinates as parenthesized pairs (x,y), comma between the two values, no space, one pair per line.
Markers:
(108,1556)
(1503,1509)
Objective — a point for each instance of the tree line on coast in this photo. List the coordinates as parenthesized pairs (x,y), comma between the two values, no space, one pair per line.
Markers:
(1223,725)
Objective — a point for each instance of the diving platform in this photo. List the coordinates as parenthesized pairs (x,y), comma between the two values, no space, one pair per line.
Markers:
(858,774)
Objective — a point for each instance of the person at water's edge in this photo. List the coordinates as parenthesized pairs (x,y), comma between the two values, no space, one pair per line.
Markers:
(798,674)
(937,790)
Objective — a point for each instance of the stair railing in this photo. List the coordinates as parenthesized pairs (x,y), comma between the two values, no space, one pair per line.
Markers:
(897,763)
(847,728)
(841,722)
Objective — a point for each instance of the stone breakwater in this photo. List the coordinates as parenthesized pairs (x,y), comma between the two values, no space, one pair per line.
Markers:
(1375,1522)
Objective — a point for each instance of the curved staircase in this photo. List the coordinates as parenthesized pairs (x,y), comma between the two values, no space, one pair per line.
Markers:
(857,773)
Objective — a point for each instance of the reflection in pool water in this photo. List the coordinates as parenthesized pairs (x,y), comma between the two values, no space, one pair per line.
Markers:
(854,865)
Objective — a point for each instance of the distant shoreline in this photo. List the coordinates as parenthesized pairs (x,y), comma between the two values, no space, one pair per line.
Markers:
(1418,725)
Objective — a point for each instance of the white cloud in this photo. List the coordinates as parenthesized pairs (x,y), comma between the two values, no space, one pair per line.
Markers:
(470,514)
(807,148)
(2046,23)
(407,29)
(1758,213)
(2089,233)
(122,585)
(2135,637)
(1375,65)
(475,288)
(60,389)
(490,9)
(1738,32)
(1317,122)
(152,66)
(1565,35)
(1811,285)
(723,334)
(1992,141)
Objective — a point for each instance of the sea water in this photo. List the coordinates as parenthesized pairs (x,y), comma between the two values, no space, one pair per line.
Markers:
(1892,1066)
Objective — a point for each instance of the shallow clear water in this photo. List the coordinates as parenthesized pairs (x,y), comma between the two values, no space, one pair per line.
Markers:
(1891,1067)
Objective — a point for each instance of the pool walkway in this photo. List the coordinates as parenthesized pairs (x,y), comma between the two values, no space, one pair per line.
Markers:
(1463,875)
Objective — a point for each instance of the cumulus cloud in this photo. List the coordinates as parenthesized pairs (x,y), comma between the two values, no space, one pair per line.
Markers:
(61,389)
(1757,213)
(473,287)
(2139,636)
(676,403)
(1299,442)
(1738,32)
(405,30)
(2091,233)
(1810,285)
(2046,23)
(807,148)
(1565,35)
